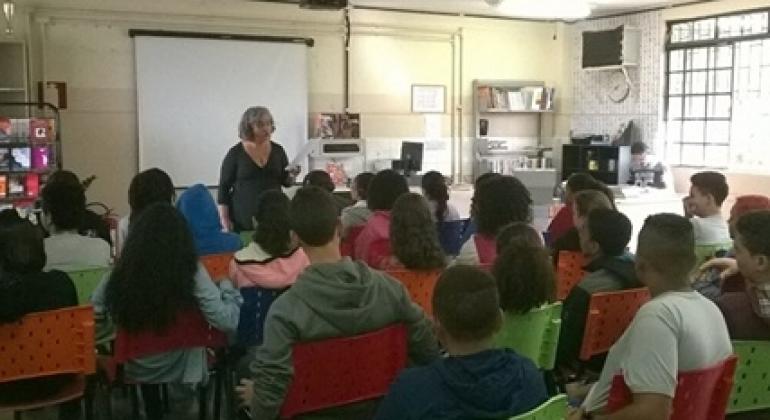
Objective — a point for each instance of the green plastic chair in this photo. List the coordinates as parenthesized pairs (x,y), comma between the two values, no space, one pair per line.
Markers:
(247,236)
(705,252)
(553,409)
(86,279)
(752,377)
(534,334)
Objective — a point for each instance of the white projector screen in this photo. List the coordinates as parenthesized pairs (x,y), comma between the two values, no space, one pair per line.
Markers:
(191,94)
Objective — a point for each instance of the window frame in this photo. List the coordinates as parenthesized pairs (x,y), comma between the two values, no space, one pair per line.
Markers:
(711,46)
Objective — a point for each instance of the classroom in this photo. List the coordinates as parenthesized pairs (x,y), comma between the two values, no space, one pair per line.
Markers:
(384,209)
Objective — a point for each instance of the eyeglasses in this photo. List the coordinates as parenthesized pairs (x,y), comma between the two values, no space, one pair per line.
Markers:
(263,124)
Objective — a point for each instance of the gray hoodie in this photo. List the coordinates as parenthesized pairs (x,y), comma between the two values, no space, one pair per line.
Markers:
(331,300)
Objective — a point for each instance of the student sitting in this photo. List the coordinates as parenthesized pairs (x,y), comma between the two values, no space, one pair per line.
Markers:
(92,224)
(197,206)
(323,180)
(720,274)
(708,190)
(147,187)
(603,238)
(582,203)
(157,277)
(434,189)
(562,222)
(523,270)
(476,380)
(747,314)
(333,297)
(25,288)
(497,202)
(271,261)
(518,234)
(358,213)
(472,226)
(384,189)
(677,331)
(413,236)
(63,209)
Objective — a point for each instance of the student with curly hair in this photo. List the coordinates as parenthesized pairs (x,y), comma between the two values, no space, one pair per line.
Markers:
(497,202)
(413,236)
(158,277)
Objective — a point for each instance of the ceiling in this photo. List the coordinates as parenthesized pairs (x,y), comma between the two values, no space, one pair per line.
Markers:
(480,7)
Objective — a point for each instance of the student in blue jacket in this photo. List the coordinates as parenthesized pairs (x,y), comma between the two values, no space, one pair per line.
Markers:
(197,206)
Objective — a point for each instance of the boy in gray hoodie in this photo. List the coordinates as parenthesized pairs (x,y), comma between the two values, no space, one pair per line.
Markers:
(333,297)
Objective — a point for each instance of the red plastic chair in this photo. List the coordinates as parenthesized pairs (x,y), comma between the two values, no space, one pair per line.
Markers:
(700,394)
(340,371)
(189,331)
(218,265)
(569,272)
(420,285)
(45,344)
(609,314)
(348,244)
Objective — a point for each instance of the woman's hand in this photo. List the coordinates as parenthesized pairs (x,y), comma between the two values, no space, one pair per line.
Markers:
(727,266)
(224,218)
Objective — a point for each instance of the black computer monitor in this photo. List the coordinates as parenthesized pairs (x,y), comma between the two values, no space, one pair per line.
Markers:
(411,156)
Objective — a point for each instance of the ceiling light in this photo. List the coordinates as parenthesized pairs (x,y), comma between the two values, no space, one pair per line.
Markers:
(543,9)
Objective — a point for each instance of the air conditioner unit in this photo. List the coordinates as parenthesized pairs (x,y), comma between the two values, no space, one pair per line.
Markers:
(323,4)
(611,49)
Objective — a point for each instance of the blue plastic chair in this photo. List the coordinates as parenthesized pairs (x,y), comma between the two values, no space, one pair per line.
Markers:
(256,302)
(450,235)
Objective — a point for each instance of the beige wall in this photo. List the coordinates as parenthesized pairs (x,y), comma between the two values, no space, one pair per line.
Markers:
(85,43)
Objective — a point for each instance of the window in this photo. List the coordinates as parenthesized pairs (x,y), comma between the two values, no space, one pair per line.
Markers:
(717,99)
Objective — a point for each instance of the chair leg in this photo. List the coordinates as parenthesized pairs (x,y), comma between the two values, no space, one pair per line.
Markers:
(17,415)
(219,378)
(153,406)
(88,396)
(134,396)
(202,402)
(164,396)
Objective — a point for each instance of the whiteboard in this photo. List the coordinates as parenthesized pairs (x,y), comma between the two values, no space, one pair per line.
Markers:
(191,94)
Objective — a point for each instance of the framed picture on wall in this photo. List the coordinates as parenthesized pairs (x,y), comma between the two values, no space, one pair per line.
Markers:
(429,98)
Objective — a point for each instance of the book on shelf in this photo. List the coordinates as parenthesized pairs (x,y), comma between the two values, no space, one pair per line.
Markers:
(499,99)
(516,100)
(3,186)
(484,95)
(32,185)
(27,129)
(16,183)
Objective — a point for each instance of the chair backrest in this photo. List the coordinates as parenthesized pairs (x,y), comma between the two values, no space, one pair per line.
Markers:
(706,252)
(420,285)
(190,330)
(256,302)
(340,371)
(86,279)
(555,408)
(218,265)
(752,377)
(450,235)
(700,394)
(348,243)
(609,314)
(534,334)
(247,237)
(48,343)
(569,272)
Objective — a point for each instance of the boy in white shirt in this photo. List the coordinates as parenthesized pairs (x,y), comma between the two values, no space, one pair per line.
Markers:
(679,330)
(63,209)
(708,190)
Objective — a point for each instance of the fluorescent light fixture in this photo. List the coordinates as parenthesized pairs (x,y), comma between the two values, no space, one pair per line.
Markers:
(543,9)
(9,9)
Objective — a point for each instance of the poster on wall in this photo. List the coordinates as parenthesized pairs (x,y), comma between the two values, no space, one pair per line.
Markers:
(428,98)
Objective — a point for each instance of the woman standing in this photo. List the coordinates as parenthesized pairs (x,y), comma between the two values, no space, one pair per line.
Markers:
(253,166)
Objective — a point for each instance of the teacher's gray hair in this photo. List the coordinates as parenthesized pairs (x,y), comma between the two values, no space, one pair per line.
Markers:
(251,116)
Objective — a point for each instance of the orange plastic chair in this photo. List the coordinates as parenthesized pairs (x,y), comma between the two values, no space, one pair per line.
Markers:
(48,343)
(218,265)
(700,394)
(420,285)
(609,314)
(569,272)
(340,371)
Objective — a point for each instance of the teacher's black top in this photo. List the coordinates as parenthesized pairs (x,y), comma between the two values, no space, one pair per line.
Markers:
(241,181)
